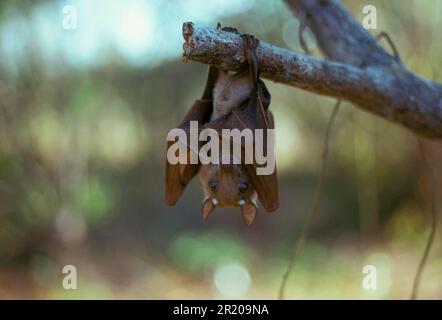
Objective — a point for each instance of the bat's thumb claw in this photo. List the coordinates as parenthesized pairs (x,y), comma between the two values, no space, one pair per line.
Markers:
(248,211)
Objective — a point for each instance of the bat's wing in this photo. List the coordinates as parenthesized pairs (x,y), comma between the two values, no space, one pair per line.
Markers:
(266,185)
(178,175)
(254,114)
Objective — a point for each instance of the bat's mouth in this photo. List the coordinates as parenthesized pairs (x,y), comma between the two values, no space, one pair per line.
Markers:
(242,202)
(248,208)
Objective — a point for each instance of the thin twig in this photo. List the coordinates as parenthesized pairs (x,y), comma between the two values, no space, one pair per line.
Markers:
(302,26)
(387,37)
(316,202)
(311,216)
(382,35)
(431,175)
(430,240)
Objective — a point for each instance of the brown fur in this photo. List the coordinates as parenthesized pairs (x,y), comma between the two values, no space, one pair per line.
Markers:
(230,91)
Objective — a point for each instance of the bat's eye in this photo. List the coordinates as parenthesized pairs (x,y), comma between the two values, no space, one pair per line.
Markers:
(213,185)
(242,186)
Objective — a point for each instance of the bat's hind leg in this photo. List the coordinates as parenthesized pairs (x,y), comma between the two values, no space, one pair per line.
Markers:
(250,46)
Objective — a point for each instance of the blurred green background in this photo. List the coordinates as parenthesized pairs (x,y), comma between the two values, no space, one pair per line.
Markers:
(83,120)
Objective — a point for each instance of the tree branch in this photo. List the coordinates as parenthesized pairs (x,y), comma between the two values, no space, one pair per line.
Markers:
(386,89)
(339,36)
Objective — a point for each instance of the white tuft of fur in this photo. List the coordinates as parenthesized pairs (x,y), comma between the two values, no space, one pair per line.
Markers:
(205,199)
(254,199)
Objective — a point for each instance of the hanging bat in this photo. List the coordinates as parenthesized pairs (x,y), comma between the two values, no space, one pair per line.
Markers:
(230,101)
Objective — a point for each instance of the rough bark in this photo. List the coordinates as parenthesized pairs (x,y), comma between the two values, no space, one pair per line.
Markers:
(362,73)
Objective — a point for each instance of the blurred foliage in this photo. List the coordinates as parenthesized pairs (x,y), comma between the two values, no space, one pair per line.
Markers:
(83,119)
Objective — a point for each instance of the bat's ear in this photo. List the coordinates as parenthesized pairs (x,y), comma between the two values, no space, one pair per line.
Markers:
(248,211)
(207,208)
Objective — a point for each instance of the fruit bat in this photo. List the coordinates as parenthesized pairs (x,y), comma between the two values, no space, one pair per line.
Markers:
(229,101)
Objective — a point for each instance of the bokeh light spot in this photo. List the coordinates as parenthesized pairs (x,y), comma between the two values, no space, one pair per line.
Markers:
(232,280)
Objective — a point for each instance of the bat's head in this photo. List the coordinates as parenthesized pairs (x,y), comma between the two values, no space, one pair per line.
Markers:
(227,185)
